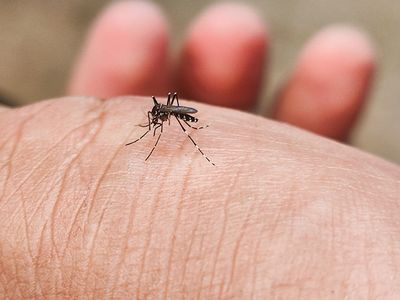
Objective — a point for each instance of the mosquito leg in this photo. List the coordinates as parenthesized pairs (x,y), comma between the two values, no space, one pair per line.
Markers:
(138,138)
(149,124)
(169,99)
(194,143)
(172,99)
(155,145)
(197,128)
(154,100)
(148,119)
(176,97)
(156,127)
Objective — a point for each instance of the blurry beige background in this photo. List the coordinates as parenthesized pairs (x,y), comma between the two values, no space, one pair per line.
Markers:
(39,40)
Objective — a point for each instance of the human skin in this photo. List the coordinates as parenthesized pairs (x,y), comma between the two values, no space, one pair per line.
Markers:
(284,214)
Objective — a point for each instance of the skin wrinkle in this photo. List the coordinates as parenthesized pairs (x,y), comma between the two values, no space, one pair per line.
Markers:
(82,204)
(92,242)
(40,246)
(17,288)
(150,234)
(9,166)
(108,165)
(260,235)
(334,157)
(200,286)
(374,256)
(128,230)
(180,205)
(129,227)
(62,186)
(26,231)
(115,285)
(237,247)
(121,257)
(193,236)
(30,116)
(200,256)
(367,175)
(225,219)
(7,258)
(333,232)
(44,178)
(257,250)
(76,214)
(35,167)
(24,209)
(18,135)
(366,263)
(67,171)
(275,284)
(219,244)
(334,202)
(28,224)
(52,216)
(201,267)
(3,276)
(74,221)
(198,296)
(6,141)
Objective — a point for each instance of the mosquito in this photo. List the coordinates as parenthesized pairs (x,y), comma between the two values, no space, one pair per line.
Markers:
(161,113)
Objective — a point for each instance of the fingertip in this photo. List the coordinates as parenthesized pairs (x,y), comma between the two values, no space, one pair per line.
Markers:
(345,38)
(126,52)
(330,82)
(222,61)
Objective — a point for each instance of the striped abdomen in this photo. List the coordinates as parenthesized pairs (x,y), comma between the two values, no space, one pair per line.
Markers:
(187,117)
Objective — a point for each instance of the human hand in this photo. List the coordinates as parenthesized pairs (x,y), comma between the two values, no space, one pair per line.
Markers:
(284,214)
(222,62)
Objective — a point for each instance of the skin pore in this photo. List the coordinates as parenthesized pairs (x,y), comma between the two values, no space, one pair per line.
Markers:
(285,213)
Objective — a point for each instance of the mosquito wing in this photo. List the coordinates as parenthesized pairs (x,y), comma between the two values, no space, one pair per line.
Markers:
(179,109)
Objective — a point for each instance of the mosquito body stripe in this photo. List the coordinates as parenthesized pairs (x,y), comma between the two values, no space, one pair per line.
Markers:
(197,128)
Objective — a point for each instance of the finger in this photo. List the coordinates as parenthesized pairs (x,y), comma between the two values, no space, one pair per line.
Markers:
(223,57)
(126,52)
(329,84)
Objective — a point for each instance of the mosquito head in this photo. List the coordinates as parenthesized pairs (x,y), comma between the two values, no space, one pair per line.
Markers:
(155,112)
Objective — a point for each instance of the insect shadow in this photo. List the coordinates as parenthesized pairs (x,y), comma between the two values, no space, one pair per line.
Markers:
(161,113)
